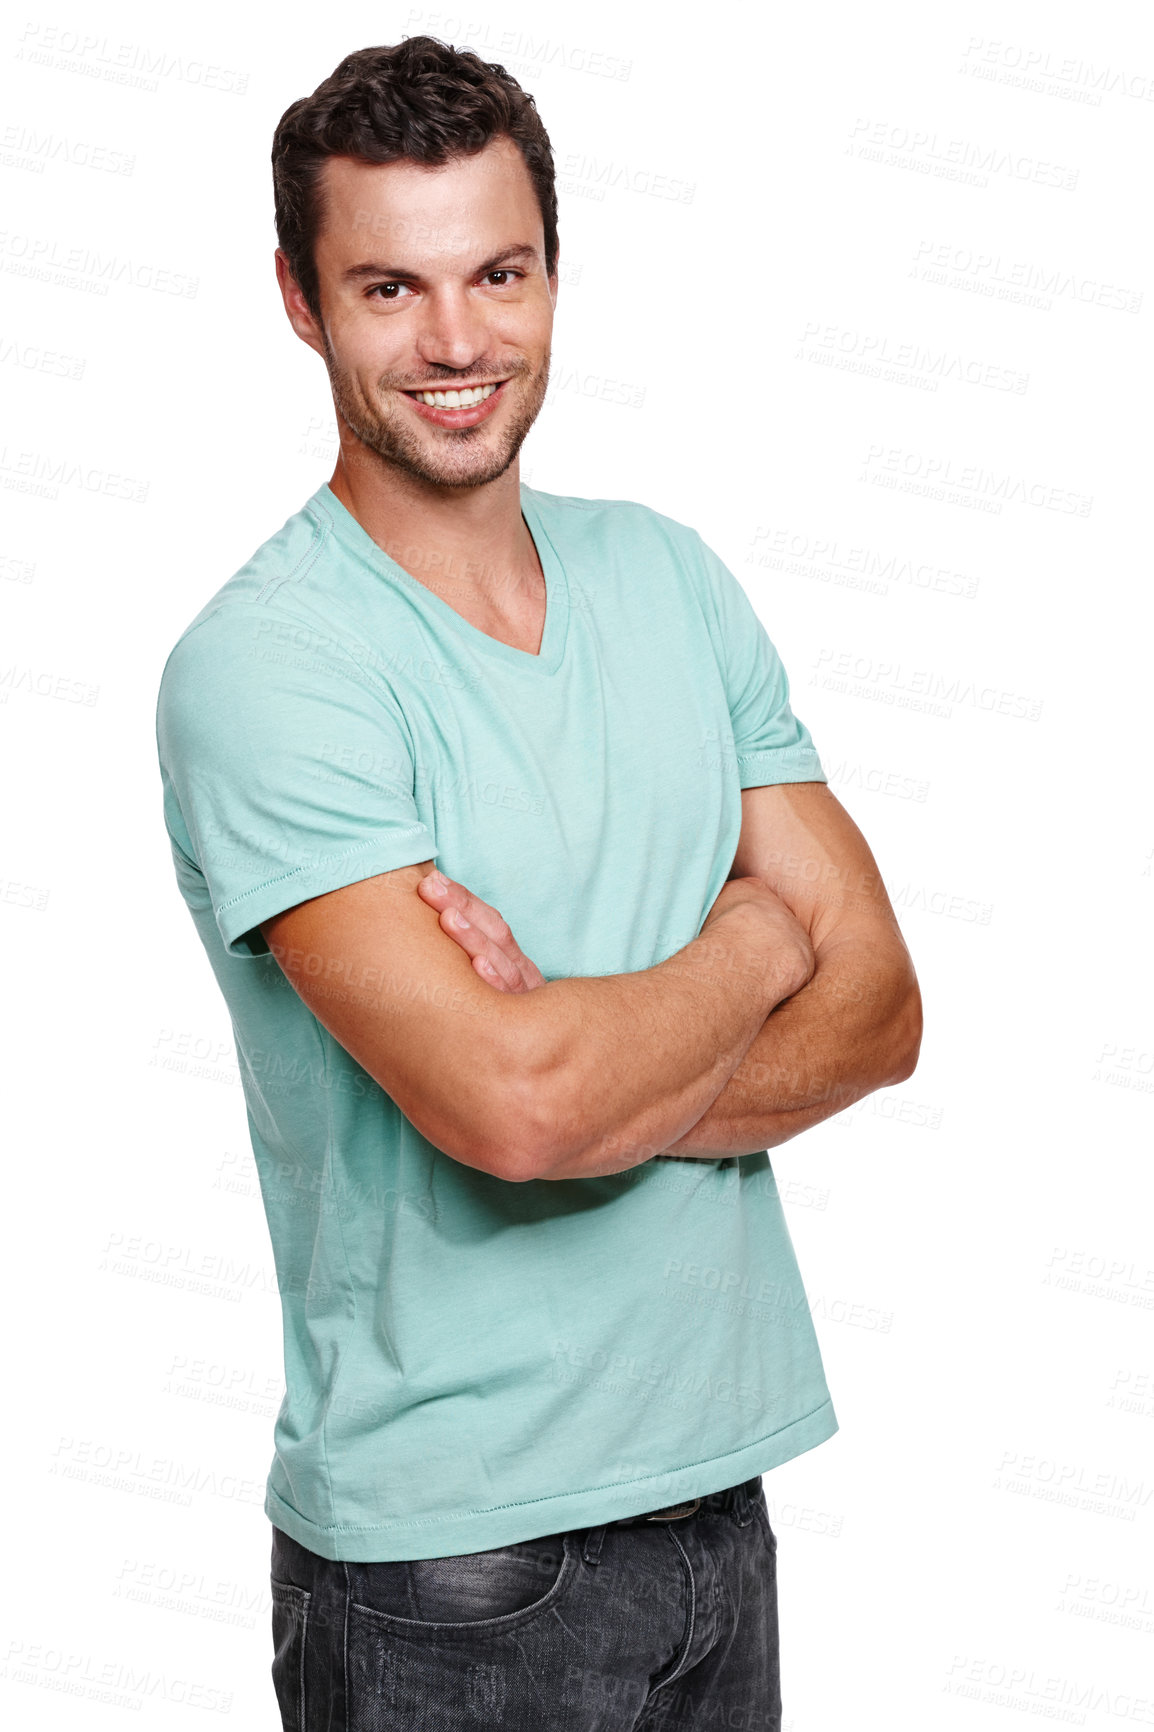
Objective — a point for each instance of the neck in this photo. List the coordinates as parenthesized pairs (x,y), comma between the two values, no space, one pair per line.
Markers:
(466,543)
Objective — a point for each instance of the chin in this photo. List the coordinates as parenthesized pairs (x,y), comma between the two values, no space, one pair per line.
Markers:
(479,464)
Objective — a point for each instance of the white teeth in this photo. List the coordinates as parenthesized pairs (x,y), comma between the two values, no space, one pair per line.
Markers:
(456,399)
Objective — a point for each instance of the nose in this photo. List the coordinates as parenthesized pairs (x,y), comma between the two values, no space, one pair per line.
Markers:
(453,331)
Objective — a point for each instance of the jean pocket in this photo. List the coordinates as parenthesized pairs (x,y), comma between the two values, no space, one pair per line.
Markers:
(482,1591)
(465,1641)
(290,1617)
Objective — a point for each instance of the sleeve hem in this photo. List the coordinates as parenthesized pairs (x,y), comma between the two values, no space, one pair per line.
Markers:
(242,914)
(786,764)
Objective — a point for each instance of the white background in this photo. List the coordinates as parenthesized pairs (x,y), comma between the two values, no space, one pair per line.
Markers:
(815,250)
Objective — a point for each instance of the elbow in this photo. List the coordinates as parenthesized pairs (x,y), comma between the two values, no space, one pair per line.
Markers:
(501,1137)
(495,1140)
(482,1117)
(905,1035)
(543,1134)
(523,1129)
(501,1159)
(548,1093)
(520,1146)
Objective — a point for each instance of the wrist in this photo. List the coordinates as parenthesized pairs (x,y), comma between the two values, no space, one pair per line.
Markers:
(781,945)
(742,950)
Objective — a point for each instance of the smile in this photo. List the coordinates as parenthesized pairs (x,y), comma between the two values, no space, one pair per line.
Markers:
(458,399)
(460,406)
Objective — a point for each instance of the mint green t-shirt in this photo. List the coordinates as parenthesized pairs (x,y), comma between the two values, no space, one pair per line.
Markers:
(471,1362)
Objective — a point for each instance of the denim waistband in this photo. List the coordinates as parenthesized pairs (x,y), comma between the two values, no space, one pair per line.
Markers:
(734,1497)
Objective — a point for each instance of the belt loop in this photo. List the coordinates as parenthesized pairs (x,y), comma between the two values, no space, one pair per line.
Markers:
(591,1551)
(743,1504)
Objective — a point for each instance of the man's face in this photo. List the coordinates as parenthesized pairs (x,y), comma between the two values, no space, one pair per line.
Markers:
(433,279)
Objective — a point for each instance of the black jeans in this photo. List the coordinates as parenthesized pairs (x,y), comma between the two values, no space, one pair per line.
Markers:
(638,1628)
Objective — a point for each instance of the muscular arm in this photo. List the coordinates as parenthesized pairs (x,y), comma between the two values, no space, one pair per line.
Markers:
(857,1025)
(577,1078)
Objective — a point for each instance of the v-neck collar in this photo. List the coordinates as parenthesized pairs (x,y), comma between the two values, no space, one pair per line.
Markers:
(352,535)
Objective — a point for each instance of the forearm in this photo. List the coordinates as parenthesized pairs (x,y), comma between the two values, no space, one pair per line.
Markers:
(853,1029)
(626,1063)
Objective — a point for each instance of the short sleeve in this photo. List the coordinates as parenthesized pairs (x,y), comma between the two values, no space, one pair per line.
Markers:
(287,769)
(771,744)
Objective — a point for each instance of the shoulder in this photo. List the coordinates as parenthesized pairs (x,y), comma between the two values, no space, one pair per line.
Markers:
(277,572)
(276,599)
(613,521)
(241,647)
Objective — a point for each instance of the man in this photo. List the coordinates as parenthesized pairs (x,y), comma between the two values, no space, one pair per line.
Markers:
(543,1324)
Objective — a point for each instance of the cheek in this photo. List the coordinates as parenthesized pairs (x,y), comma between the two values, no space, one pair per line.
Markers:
(364,349)
(526,326)
(530,343)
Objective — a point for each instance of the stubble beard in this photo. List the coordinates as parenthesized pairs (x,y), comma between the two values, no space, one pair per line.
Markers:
(460,457)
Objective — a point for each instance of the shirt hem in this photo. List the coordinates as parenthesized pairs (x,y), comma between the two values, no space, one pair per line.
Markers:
(783,764)
(244,912)
(404,1540)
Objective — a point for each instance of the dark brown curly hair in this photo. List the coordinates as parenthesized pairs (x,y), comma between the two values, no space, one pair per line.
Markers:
(420,99)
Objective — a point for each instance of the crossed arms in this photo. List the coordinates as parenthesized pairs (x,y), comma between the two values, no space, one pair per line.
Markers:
(797,998)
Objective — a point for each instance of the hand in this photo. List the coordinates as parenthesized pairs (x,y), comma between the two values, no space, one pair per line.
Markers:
(791,947)
(481,933)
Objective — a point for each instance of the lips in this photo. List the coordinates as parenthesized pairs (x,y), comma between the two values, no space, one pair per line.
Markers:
(467,417)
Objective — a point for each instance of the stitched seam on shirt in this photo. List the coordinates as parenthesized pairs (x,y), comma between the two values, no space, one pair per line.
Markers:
(339,859)
(775,751)
(303,565)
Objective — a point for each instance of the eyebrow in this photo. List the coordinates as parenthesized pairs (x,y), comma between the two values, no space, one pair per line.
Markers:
(371,267)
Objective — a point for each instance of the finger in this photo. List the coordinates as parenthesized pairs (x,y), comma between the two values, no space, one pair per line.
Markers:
(494,966)
(482,949)
(485,917)
(480,914)
(497,930)
(524,980)
(489,922)
(531,974)
(503,951)
(491,975)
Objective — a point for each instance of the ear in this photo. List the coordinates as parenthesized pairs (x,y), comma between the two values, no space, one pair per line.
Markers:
(296,307)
